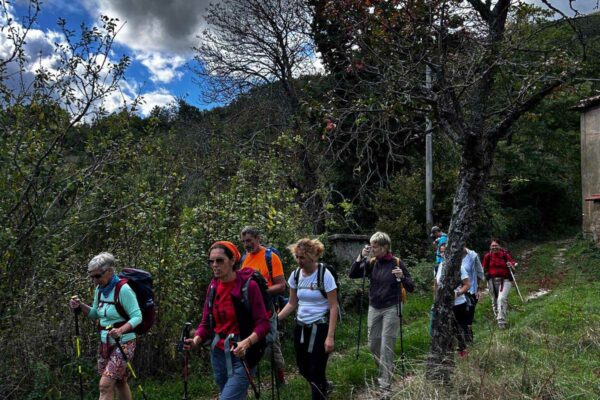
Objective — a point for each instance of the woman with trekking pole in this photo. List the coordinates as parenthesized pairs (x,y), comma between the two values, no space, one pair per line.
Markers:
(313,292)
(387,275)
(234,325)
(112,363)
(497,267)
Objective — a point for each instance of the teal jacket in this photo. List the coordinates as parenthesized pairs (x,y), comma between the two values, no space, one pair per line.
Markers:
(108,314)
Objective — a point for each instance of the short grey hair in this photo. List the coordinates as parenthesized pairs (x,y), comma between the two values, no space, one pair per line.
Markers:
(102,261)
(250,230)
(382,239)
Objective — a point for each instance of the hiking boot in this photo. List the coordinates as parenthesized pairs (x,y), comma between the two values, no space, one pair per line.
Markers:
(502,325)
(463,354)
(280,378)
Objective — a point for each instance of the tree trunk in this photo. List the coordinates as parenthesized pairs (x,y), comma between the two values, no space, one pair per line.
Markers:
(476,162)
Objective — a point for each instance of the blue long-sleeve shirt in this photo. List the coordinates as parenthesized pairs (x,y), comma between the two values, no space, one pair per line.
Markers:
(472,264)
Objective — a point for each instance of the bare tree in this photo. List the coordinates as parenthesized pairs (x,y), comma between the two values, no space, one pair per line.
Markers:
(265,45)
(253,42)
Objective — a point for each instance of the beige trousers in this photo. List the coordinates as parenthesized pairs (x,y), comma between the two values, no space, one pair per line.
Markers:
(383,327)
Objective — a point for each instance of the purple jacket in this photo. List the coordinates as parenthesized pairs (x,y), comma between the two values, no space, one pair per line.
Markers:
(260,317)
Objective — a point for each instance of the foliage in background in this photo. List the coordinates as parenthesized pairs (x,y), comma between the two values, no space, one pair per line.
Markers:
(158,191)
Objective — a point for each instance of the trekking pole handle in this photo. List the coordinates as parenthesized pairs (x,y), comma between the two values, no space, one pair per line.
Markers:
(239,351)
(185,334)
(75,298)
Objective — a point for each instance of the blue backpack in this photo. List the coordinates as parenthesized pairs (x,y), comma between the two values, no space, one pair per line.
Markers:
(279,300)
(268,258)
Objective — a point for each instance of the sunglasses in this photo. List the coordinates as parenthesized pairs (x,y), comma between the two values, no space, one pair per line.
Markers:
(97,276)
(218,261)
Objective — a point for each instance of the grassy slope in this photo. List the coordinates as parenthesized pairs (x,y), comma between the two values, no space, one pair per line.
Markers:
(550,351)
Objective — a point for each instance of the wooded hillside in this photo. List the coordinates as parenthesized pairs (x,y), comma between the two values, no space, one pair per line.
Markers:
(291,150)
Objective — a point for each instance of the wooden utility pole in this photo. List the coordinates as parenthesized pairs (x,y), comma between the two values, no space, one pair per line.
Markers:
(428,162)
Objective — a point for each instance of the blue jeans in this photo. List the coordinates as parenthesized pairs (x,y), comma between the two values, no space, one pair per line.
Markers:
(234,387)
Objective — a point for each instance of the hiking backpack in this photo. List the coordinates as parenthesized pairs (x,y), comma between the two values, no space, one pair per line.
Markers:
(322,267)
(279,300)
(402,289)
(140,282)
(243,313)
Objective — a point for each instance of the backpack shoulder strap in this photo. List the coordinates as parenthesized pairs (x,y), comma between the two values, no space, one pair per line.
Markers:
(117,301)
(212,291)
(269,260)
(321,278)
(297,277)
(245,299)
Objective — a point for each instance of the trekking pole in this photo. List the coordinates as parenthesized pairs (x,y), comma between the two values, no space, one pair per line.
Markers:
(129,366)
(360,313)
(515,281)
(76,313)
(185,333)
(400,316)
(274,384)
(246,369)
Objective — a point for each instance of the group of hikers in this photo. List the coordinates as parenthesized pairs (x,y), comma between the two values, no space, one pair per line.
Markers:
(245,301)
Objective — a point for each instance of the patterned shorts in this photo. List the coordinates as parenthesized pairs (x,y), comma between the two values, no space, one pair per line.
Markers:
(114,366)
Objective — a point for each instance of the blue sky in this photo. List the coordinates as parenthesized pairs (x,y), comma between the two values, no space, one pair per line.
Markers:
(158,35)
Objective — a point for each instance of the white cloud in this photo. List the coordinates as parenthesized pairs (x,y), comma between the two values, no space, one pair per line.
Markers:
(157,98)
(40,52)
(163,68)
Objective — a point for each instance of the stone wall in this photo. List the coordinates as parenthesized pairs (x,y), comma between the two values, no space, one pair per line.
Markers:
(346,247)
(590,170)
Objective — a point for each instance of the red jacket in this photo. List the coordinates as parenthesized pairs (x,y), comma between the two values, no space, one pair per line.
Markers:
(259,317)
(494,264)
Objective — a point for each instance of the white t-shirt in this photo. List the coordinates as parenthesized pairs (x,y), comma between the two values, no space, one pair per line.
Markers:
(311,304)
(463,275)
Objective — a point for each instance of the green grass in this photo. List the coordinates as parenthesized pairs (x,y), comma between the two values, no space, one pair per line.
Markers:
(550,351)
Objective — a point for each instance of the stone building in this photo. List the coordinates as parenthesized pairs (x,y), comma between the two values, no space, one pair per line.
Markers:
(590,166)
(346,246)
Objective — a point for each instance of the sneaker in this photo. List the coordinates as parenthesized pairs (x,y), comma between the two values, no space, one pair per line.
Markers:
(502,325)
(329,387)
(463,353)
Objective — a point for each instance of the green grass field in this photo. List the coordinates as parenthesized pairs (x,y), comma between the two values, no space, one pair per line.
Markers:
(550,351)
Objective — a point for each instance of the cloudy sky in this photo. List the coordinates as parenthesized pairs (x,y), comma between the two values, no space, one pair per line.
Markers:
(159,36)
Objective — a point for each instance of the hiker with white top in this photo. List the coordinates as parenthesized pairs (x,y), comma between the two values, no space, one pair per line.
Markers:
(317,315)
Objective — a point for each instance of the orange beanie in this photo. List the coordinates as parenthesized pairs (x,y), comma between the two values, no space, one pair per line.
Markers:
(231,247)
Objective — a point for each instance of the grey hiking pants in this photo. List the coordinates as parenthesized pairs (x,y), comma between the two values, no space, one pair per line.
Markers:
(278,361)
(499,288)
(383,327)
